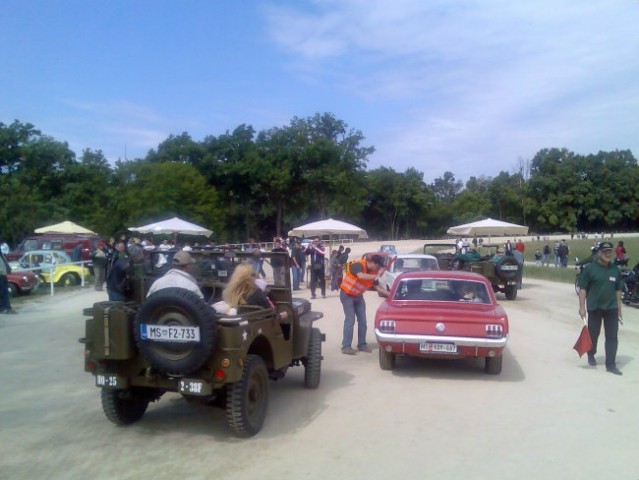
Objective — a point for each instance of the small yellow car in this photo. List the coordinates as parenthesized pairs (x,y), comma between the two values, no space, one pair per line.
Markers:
(54,263)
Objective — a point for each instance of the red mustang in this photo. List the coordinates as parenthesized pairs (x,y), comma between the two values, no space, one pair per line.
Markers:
(441,314)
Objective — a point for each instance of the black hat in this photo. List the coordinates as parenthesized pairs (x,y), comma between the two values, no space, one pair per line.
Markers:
(605,246)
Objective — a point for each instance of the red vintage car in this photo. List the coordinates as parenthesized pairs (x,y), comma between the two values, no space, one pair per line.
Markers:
(22,283)
(441,314)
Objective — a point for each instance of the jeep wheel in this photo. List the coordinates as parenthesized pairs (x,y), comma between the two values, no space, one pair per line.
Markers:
(69,280)
(247,400)
(13,289)
(176,307)
(493,365)
(511,292)
(121,407)
(313,360)
(386,360)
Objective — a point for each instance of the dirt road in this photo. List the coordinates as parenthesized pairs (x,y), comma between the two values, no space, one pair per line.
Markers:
(547,416)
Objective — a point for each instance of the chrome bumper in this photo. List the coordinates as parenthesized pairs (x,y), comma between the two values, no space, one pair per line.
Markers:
(461,341)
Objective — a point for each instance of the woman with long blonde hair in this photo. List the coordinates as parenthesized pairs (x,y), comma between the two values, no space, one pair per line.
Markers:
(242,290)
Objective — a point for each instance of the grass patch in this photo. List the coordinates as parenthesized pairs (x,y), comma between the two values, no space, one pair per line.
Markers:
(564,275)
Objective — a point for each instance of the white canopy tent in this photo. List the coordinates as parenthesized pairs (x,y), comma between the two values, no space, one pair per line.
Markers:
(65,227)
(489,227)
(328,227)
(173,225)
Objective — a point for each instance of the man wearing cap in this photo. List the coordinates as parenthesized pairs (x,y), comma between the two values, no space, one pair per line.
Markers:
(600,289)
(178,276)
(359,276)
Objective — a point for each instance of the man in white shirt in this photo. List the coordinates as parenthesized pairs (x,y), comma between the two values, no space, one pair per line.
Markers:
(178,276)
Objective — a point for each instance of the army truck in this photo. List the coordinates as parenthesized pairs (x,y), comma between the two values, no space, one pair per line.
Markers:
(173,341)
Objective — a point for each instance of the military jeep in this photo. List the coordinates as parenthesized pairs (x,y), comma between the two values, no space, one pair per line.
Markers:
(503,271)
(173,341)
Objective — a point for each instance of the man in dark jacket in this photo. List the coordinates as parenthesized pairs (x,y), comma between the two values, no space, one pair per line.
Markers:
(117,274)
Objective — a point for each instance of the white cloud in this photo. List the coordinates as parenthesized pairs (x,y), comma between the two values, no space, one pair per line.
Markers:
(474,84)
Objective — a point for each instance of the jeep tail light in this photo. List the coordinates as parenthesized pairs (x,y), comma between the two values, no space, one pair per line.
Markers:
(387,326)
(220,374)
(494,331)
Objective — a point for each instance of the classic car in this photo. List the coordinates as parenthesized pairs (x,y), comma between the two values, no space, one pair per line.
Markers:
(406,263)
(390,249)
(22,283)
(52,263)
(441,314)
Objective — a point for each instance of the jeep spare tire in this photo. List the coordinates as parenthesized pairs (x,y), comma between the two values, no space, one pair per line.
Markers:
(175,331)
(507,268)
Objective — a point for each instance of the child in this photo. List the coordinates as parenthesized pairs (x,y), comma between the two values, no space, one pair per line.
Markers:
(538,258)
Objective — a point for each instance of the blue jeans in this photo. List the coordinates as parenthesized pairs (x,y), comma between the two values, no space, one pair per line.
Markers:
(354,307)
(296,272)
(115,296)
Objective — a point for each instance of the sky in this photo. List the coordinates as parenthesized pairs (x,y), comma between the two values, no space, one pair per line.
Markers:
(474,87)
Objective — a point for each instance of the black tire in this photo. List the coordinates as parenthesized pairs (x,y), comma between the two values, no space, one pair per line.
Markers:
(122,407)
(69,280)
(493,365)
(13,289)
(176,307)
(247,400)
(508,273)
(313,360)
(386,359)
(511,292)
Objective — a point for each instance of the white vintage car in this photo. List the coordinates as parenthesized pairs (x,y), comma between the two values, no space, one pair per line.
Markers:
(406,263)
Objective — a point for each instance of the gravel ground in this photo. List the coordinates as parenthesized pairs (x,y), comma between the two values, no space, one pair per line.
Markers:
(547,416)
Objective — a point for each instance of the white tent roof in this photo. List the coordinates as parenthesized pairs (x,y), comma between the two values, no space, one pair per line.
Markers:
(173,225)
(327,227)
(488,226)
(64,227)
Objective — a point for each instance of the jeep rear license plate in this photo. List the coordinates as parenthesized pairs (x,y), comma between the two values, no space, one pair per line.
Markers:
(166,333)
(429,347)
(194,387)
(110,381)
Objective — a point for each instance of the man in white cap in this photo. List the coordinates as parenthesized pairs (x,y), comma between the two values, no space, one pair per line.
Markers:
(178,276)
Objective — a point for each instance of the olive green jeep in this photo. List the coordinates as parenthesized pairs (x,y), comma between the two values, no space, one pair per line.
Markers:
(503,271)
(173,341)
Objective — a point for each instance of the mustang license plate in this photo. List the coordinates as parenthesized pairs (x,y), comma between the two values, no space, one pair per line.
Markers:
(173,333)
(430,347)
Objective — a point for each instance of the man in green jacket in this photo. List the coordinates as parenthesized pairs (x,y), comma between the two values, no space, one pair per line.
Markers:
(600,295)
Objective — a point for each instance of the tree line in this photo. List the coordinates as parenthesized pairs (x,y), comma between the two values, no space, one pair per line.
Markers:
(246,184)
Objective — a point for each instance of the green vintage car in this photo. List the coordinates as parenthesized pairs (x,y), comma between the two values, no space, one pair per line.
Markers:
(503,271)
(175,342)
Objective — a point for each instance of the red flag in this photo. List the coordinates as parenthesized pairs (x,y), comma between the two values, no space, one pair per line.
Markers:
(584,344)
